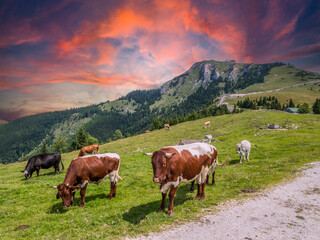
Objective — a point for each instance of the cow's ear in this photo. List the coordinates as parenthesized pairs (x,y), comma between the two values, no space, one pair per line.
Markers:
(58,196)
(170,155)
(148,154)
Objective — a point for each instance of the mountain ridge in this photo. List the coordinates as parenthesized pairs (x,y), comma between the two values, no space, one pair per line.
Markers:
(195,89)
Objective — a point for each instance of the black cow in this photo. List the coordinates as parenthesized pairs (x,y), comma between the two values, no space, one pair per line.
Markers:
(43,161)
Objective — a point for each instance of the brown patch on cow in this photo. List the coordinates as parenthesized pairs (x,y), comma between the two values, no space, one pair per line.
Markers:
(21,227)
(248,190)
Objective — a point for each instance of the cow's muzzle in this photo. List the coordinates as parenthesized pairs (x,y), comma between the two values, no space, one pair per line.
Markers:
(156,180)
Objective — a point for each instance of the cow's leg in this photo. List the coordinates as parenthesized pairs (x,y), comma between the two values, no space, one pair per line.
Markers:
(202,191)
(172,194)
(37,169)
(192,187)
(248,156)
(199,191)
(240,157)
(111,190)
(213,181)
(163,202)
(83,193)
(72,197)
(114,190)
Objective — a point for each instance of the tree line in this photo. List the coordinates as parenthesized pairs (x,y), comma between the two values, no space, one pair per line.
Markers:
(272,102)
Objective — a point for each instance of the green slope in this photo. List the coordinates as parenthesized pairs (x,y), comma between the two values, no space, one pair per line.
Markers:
(278,156)
(197,88)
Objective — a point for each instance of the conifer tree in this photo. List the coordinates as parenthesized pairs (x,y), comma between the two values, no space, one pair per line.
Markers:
(291,104)
(316,106)
(44,149)
(60,145)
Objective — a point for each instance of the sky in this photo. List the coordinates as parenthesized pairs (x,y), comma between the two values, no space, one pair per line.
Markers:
(61,54)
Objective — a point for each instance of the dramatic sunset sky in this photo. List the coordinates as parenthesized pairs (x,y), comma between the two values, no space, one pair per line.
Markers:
(56,54)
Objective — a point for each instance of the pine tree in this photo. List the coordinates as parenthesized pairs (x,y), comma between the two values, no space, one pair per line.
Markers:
(316,106)
(117,135)
(155,124)
(60,145)
(291,104)
(82,137)
(44,149)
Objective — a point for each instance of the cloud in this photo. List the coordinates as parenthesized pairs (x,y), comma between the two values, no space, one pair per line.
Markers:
(141,44)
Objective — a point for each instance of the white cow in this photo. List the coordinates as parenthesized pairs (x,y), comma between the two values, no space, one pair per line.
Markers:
(208,138)
(243,149)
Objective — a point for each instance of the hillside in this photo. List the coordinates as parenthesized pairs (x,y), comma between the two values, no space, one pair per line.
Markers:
(195,90)
(278,156)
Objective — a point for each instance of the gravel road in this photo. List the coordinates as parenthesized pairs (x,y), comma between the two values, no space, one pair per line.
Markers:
(288,211)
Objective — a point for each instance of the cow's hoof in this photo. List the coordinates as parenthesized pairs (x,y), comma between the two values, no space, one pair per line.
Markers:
(81,205)
(201,198)
(170,212)
(160,210)
(191,191)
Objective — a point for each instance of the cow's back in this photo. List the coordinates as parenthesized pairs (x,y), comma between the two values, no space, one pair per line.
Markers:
(97,166)
(190,160)
(245,145)
(47,160)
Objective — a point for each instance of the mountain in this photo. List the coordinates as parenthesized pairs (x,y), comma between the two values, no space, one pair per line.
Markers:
(196,89)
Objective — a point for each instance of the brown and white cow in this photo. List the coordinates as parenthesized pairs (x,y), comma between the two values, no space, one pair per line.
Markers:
(89,149)
(91,168)
(206,124)
(183,163)
(167,126)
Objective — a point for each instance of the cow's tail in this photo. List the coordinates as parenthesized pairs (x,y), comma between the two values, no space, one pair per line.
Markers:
(117,174)
(118,177)
(221,164)
(62,164)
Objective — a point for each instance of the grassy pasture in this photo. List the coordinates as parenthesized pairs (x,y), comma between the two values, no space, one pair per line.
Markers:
(278,157)
(281,76)
(300,94)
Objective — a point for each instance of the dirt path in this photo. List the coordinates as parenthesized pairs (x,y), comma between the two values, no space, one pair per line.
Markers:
(288,211)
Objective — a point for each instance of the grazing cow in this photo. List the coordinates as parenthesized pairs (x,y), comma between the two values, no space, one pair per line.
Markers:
(89,149)
(91,168)
(43,161)
(167,126)
(208,138)
(206,124)
(183,163)
(243,149)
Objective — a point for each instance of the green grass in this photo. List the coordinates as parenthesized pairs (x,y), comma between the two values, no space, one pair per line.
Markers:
(278,157)
(280,77)
(300,94)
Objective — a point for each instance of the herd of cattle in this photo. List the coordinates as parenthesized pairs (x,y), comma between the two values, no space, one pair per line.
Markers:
(171,165)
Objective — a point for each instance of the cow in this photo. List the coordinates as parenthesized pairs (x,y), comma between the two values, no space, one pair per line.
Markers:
(206,124)
(243,149)
(45,161)
(183,163)
(208,138)
(90,168)
(89,149)
(167,126)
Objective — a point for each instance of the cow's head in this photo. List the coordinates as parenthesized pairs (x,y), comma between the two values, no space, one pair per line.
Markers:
(160,162)
(26,174)
(65,192)
(238,148)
